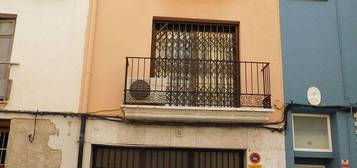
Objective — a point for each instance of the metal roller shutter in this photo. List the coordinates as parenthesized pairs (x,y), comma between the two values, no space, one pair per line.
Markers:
(135,157)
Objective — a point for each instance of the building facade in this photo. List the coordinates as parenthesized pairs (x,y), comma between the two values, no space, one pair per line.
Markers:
(190,78)
(94,84)
(318,39)
(41,56)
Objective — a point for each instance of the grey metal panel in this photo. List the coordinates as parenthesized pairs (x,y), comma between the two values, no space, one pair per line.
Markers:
(145,157)
(5,87)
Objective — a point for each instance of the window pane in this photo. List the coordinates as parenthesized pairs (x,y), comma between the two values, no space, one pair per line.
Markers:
(311,132)
(4,56)
(6,27)
(5,43)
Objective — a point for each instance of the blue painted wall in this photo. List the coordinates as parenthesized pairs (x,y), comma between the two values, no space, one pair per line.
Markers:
(347,14)
(319,46)
(319,40)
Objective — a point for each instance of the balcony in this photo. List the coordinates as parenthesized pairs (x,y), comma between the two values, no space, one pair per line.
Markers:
(198,85)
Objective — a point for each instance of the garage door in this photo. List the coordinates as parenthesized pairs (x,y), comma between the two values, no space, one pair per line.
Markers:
(129,157)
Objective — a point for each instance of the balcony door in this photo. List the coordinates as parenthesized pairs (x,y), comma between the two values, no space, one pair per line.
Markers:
(200,61)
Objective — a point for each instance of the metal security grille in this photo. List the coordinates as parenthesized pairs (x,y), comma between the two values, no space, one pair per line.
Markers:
(188,40)
(4,136)
(128,157)
(201,70)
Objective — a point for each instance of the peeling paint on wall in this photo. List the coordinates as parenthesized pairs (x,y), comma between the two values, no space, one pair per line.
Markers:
(21,153)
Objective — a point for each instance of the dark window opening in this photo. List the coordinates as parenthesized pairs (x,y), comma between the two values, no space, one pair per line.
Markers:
(4,136)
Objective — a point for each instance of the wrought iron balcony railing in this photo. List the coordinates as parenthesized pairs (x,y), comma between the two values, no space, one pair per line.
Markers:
(196,83)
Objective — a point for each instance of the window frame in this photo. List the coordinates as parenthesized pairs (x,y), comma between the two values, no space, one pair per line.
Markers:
(13,19)
(328,118)
(11,37)
(236,47)
(8,16)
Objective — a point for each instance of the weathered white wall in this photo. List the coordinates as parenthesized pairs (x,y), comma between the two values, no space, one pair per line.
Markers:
(49,44)
(55,144)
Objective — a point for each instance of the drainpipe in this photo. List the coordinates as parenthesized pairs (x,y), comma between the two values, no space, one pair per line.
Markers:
(81,141)
(86,75)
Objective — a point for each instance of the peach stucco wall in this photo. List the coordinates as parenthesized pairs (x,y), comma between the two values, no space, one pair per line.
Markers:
(123,28)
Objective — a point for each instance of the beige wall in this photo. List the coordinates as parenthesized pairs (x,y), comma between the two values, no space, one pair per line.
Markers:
(123,28)
(269,144)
